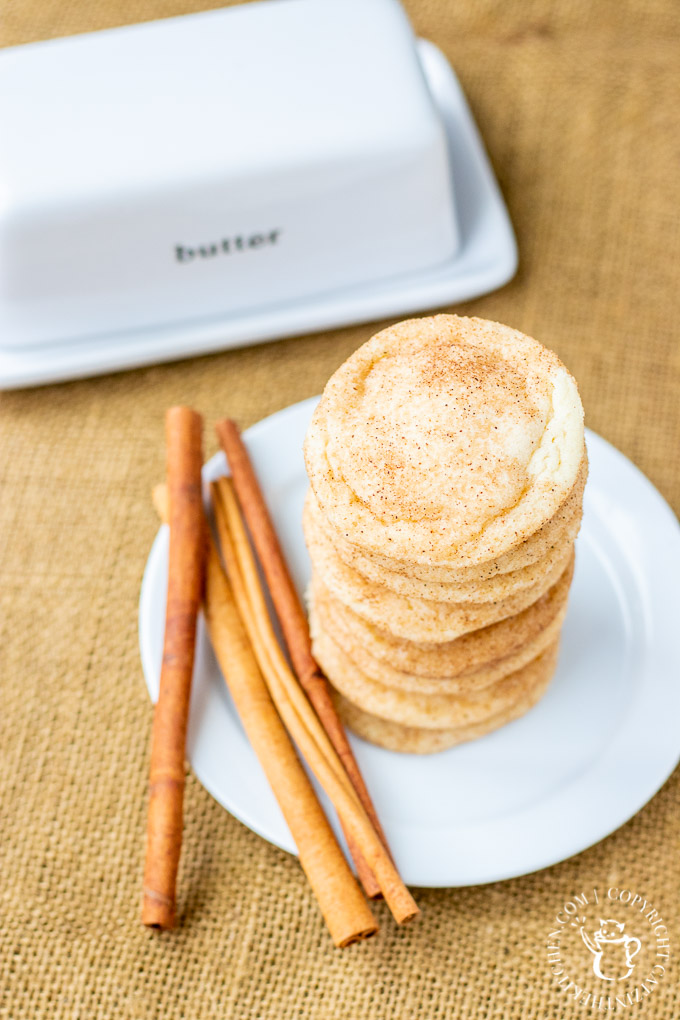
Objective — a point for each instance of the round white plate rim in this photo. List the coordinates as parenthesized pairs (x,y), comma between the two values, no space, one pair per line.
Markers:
(663,540)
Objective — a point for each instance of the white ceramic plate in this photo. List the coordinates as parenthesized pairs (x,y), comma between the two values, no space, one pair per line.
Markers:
(487,259)
(580,764)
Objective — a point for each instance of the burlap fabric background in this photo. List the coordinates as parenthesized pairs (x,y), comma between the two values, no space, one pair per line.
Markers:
(578,105)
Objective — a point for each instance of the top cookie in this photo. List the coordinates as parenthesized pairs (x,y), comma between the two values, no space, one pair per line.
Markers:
(445,440)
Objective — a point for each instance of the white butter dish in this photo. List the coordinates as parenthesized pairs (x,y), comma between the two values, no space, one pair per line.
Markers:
(229,177)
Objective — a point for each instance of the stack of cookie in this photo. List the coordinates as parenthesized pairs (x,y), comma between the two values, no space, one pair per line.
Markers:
(447,467)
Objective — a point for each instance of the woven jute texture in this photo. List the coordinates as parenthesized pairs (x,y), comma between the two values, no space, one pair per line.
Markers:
(577,103)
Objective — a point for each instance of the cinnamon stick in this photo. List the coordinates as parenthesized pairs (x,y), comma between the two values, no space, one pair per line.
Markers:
(298,716)
(344,909)
(293,621)
(185,583)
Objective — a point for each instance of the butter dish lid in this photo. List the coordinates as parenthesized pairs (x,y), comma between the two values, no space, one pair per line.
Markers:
(230,177)
(148,103)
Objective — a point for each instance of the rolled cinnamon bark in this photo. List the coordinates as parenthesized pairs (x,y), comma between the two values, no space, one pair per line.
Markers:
(344,909)
(293,620)
(297,714)
(185,584)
